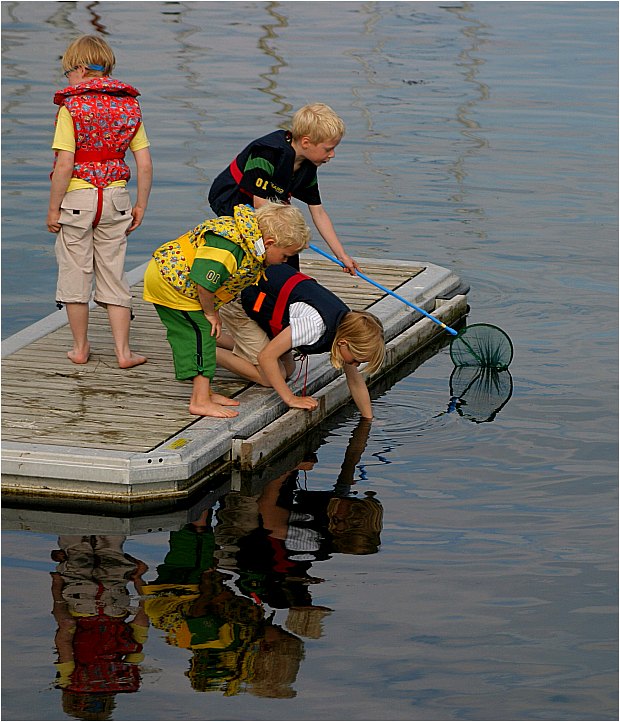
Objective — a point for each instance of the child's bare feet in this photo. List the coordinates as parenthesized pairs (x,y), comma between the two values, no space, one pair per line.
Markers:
(212,409)
(79,356)
(130,361)
(223,400)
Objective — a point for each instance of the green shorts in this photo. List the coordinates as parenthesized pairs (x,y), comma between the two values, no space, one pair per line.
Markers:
(189,336)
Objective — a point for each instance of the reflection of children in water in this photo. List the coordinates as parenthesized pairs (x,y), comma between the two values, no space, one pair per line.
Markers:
(99,647)
(266,545)
(343,523)
(273,538)
(234,647)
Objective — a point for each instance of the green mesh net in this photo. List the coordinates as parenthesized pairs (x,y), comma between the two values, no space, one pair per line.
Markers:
(482,345)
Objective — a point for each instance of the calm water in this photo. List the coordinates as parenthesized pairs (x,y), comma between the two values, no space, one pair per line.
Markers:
(482,137)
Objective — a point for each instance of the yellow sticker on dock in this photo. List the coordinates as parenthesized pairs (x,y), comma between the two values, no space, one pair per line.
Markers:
(178,443)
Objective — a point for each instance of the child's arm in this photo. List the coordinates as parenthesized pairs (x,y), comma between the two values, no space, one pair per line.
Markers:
(63,170)
(352,456)
(144,172)
(207,301)
(268,363)
(359,390)
(66,623)
(325,227)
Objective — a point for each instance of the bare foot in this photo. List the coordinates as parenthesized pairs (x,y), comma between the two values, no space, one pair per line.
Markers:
(223,400)
(212,409)
(79,356)
(132,360)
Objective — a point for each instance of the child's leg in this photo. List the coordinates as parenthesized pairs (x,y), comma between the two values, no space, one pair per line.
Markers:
(111,287)
(120,321)
(74,254)
(79,556)
(202,402)
(225,340)
(193,352)
(231,362)
(77,313)
(248,340)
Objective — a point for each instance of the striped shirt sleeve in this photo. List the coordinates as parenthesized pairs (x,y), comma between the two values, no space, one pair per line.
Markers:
(306,324)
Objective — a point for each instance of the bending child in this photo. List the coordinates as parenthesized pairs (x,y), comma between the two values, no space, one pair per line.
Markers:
(287,310)
(283,165)
(190,278)
(89,208)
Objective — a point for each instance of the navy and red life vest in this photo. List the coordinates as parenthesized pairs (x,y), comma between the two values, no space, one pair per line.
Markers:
(279,180)
(268,303)
(106,116)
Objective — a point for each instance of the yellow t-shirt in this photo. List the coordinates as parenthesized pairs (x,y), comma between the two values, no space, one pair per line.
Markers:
(64,670)
(159,291)
(64,139)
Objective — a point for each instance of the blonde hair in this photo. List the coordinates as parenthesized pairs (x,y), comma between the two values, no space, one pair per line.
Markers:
(360,531)
(363,333)
(285,224)
(276,664)
(89,50)
(318,122)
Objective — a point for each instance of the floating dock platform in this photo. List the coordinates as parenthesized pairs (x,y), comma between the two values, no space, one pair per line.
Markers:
(96,433)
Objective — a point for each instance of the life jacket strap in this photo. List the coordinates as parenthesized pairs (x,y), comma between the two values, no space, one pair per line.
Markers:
(97,217)
(280,306)
(97,156)
(236,172)
(238,177)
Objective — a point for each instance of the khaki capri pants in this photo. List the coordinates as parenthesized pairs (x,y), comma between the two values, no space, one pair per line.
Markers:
(249,337)
(85,253)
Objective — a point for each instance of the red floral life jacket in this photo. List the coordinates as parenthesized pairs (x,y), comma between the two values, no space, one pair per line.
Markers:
(106,116)
(99,646)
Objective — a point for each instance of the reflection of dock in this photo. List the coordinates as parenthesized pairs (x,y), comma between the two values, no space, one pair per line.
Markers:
(94,432)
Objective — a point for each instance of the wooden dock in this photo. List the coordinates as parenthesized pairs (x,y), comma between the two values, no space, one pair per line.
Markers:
(97,432)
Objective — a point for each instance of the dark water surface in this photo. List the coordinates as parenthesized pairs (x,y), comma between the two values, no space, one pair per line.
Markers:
(481,136)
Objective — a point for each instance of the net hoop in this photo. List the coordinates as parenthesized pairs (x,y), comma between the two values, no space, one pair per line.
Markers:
(482,345)
(479,394)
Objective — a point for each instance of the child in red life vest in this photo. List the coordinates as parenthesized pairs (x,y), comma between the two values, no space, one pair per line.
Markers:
(100,633)
(283,165)
(288,310)
(90,209)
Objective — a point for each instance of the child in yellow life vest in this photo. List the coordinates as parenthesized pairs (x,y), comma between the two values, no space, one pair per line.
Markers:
(190,278)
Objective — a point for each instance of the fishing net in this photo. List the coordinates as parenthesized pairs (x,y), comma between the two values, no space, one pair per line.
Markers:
(482,345)
(478,394)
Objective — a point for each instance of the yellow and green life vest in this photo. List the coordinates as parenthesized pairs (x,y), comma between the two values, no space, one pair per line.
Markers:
(175,258)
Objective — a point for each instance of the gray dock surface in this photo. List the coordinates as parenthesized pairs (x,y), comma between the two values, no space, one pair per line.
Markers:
(95,431)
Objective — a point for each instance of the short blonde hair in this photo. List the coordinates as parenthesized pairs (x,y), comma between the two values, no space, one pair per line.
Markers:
(318,122)
(285,224)
(363,333)
(89,50)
